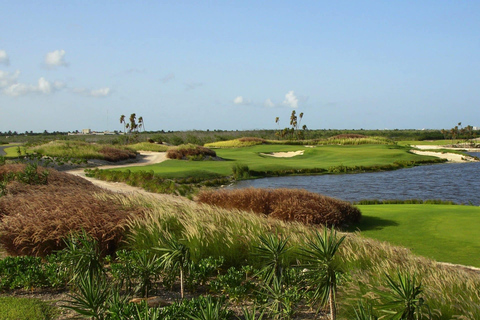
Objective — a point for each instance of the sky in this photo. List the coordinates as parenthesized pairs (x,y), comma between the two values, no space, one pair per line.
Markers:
(237,65)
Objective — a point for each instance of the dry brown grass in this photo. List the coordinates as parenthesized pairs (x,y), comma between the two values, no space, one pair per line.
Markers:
(35,219)
(285,204)
(114,154)
(190,151)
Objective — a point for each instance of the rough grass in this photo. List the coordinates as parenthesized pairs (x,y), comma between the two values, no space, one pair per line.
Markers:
(24,308)
(147,146)
(190,152)
(285,204)
(236,143)
(35,219)
(83,150)
(450,292)
(348,136)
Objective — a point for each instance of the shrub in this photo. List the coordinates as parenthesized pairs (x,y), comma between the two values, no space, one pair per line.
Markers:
(348,136)
(190,152)
(285,204)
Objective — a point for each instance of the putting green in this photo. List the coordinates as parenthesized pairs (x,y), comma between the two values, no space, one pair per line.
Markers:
(448,233)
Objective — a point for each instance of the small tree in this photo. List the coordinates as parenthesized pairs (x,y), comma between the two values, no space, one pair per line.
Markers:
(175,256)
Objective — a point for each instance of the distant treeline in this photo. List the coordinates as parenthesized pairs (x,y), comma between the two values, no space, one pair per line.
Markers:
(200,137)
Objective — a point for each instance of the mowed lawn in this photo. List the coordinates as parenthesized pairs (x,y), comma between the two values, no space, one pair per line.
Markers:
(317,157)
(447,233)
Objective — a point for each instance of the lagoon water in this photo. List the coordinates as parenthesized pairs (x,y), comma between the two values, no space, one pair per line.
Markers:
(458,182)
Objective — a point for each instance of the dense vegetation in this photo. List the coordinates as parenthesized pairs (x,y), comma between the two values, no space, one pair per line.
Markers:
(285,204)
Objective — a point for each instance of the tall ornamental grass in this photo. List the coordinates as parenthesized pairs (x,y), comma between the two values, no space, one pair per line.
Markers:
(211,231)
(285,204)
(83,150)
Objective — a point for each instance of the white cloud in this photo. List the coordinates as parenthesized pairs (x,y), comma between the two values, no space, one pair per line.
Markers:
(238,100)
(8,79)
(98,93)
(55,59)
(4,58)
(291,100)
(242,101)
(269,103)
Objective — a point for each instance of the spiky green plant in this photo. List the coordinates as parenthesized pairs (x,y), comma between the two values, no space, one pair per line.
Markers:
(272,251)
(403,300)
(175,256)
(322,268)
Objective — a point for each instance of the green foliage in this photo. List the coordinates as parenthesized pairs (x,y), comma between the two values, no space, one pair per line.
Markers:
(272,251)
(403,301)
(175,257)
(235,283)
(25,309)
(30,272)
(83,254)
(240,171)
(210,309)
(323,269)
(280,301)
(91,299)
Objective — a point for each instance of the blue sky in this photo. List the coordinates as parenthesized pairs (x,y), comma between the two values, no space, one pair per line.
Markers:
(184,65)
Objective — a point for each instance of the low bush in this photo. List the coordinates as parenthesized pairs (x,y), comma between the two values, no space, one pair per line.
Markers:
(285,204)
(190,152)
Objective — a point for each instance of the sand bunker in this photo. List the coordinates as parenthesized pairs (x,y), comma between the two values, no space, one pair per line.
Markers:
(284,154)
(451,157)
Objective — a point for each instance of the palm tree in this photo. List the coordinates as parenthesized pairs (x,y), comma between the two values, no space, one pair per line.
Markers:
(122,120)
(140,123)
(323,268)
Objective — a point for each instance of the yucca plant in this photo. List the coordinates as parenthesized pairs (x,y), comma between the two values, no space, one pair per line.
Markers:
(403,301)
(271,251)
(323,269)
(210,310)
(364,312)
(175,256)
(91,299)
(252,315)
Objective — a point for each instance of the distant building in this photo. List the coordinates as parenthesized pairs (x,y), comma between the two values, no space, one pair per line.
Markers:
(86,131)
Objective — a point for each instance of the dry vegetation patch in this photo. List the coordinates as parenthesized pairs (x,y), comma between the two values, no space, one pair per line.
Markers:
(114,154)
(285,204)
(35,219)
(190,152)
(349,136)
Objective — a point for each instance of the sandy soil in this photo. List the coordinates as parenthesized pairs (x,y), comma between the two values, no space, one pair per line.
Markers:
(284,154)
(451,157)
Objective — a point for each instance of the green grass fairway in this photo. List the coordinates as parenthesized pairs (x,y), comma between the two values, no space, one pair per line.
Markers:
(448,233)
(318,157)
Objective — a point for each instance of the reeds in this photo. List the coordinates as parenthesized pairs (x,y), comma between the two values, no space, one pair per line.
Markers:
(190,152)
(35,219)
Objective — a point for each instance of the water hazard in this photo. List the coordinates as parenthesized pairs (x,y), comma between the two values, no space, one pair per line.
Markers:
(458,182)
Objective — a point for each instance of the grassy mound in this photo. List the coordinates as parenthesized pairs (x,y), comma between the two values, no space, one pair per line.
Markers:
(236,143)
(348,136)
(190,152)
(35,218)
(83,150)
(285,204)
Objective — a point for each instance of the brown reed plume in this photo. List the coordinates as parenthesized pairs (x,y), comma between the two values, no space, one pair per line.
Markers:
(285,204)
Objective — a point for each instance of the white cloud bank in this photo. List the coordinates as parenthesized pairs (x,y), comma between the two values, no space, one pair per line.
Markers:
(55,59)
(11,87)
(291,100)
(4,59)
(98,93)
